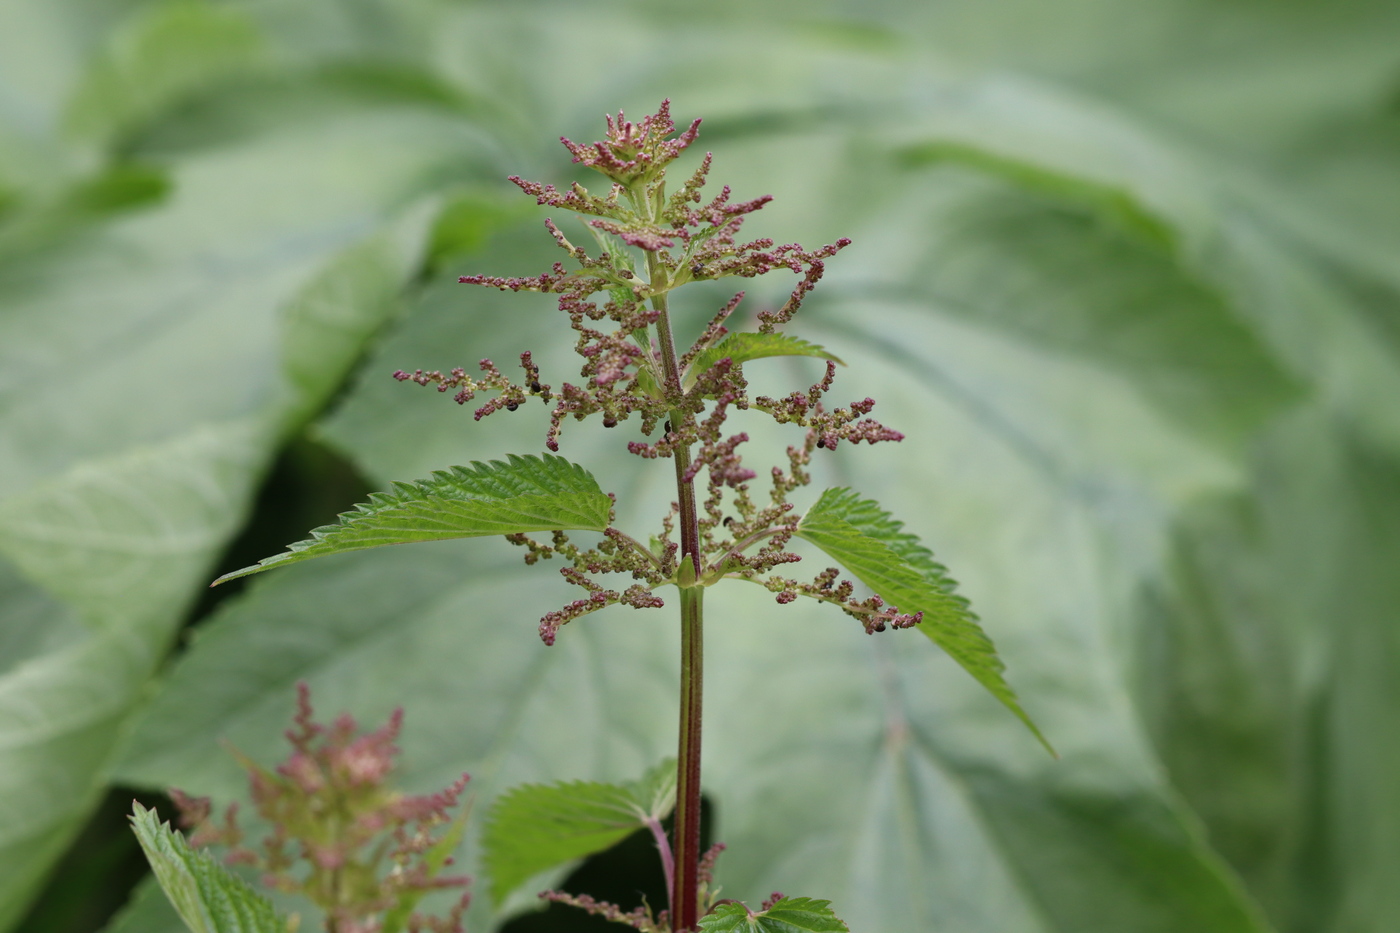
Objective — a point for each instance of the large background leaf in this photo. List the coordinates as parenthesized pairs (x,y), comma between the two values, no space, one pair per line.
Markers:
(153,361)
(1123,272)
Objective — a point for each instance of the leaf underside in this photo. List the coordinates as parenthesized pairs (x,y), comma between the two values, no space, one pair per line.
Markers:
(522,494)
(865,540)
(788,915)
(208,897)
(535,827)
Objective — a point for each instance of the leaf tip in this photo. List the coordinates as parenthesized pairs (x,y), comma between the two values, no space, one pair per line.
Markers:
(1021,714)
(235,574)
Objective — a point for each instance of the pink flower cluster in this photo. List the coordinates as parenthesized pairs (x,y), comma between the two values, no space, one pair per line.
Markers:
(340,835)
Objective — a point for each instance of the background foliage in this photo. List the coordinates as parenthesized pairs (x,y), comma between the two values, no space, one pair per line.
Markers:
(1124,272)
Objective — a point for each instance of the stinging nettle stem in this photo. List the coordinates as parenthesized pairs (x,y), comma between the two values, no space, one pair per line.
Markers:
(684,890)
(684,897)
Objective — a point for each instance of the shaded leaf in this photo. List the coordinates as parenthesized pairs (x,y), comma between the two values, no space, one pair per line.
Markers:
(166,52)
(1116,203)
(208,897)
(869,543)
(788,915)
(537,827)
(148,910)
(122,480)
(1085,273)
(522,494)
(466,222)
(116,544)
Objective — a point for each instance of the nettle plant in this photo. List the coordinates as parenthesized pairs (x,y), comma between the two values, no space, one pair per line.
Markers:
(723,525)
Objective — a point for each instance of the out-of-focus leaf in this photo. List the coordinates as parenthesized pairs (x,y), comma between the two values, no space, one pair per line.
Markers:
(151,366)
(207,896)
(536,827)
(34,623)
(1139,213)
(1250,300)
(498,498)
(148,911)
(1114,203)
(170,50)
(117,542)
(1362,695)
(466,222)
(116,532)
(1286,687)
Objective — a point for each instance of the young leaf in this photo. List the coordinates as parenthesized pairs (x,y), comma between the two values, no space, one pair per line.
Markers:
(615,248)
(870,544)
(788,915)
(742,347)
(524,494)
(208,897)
(535,827)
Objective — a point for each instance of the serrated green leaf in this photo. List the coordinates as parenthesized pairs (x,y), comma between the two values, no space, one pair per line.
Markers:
(741,347)
(788,915)
(536,827)
(870,544)
(208,897)
(498,498)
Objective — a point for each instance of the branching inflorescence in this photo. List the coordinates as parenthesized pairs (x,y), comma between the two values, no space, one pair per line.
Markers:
(650,244)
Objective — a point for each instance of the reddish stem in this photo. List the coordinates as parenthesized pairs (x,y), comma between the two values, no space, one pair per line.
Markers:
(685,889)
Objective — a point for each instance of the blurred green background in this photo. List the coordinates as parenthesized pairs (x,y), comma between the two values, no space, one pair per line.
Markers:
(1126,272)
